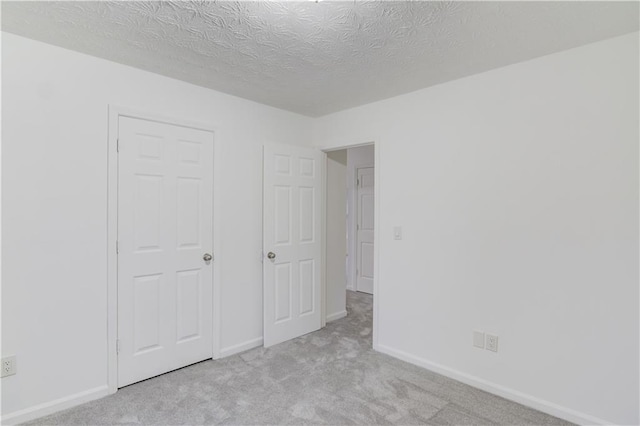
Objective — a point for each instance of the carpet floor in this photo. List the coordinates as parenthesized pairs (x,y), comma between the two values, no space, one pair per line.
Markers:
(331,376)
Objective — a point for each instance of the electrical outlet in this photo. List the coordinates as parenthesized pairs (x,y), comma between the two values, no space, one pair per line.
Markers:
(478,339)
(8,366)
(492,343)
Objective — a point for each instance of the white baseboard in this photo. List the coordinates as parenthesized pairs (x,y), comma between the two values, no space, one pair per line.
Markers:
(336,316)
(54,406)
(496,389)
(241,347)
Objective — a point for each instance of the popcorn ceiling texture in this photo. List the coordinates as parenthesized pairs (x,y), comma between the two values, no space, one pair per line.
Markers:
(318,58)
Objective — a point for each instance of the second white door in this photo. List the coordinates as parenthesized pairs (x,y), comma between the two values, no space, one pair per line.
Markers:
(292,242)
(365,230)
(165,238)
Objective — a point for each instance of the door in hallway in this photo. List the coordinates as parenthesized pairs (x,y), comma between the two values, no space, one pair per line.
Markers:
(165,237)
(365,230)
(292,242)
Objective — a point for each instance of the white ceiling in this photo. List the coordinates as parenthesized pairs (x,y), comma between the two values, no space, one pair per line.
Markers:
(318,58)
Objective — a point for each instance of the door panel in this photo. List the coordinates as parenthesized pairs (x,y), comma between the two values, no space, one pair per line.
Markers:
(307,287)
(365,230)
(283,292)
(189,299)
(147,312)
(165,211)
(292,229)
(188,220)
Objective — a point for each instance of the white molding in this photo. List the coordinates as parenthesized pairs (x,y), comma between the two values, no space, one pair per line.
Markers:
(241,347)
(217,244)
(377,155)
(323,260)
(329,146)
(112,258)
(114,112)
(161,118)
(54,406)
(496,389)
(336,316)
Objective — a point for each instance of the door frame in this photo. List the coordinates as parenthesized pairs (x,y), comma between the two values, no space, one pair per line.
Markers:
(114,113)
(376,229)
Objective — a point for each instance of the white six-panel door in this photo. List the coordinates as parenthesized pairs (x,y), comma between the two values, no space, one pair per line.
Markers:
(292,242)
(365,230)
(165,216)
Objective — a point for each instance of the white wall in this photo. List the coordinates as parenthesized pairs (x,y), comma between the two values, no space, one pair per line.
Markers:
(336,243)
(361,156)
(54,142)
(517,190)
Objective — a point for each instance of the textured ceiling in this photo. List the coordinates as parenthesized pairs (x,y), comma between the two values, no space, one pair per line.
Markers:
(317,58)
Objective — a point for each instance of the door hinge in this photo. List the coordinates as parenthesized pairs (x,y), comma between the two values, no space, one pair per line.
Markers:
(358,182)
(118,346)
(117,247)
(118,145)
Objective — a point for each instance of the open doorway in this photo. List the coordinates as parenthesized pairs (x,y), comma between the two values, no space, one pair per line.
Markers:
(318,228)
(349,230)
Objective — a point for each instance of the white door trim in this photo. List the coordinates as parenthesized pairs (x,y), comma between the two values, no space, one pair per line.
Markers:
(114,113)
(376,238)
(376,228)
(323,258)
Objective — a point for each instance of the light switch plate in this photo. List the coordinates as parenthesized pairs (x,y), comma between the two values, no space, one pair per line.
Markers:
(397,232)
(478,339)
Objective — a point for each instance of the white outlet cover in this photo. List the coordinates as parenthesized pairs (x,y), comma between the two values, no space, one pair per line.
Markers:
(478,339)
(492,343)
(9,367)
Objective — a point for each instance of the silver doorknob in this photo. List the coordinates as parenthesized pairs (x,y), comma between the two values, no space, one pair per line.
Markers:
(271,255)
(207,257)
